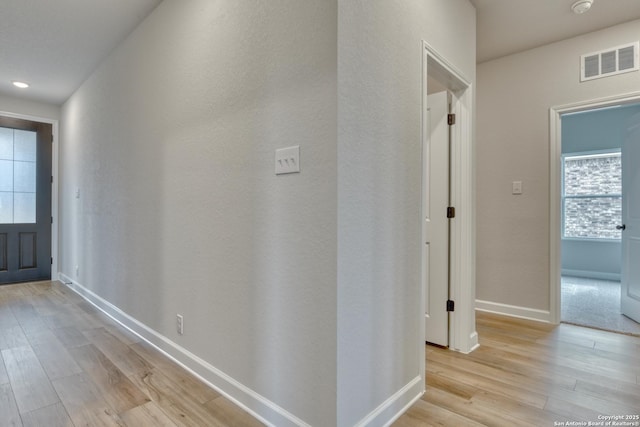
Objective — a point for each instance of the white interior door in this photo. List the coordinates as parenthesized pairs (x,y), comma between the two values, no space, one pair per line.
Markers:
(436,160)
(630,299)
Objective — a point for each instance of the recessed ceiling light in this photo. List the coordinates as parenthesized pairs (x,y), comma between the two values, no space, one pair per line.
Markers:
(21,85)
(581,6)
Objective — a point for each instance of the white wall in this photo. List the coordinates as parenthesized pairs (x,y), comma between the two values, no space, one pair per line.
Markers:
(171,145)
(10,104)
(514,94)
(379,178)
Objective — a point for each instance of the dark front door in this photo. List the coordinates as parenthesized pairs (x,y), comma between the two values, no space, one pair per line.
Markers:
(25,200)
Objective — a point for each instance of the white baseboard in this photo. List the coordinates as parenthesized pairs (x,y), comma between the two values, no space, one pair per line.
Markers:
(514,311)
(257,405)
(599,275)
(473,342)
(396,405)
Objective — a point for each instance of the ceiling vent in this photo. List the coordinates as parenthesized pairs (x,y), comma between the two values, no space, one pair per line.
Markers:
(609,62)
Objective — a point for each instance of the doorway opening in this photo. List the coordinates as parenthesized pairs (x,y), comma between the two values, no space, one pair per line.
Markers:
(448,250)
(590,279)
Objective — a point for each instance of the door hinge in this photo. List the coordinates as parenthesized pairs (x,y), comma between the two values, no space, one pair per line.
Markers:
(51,220)
(451,212)
(450,305)
(52,179)
(451,119)
(51,260)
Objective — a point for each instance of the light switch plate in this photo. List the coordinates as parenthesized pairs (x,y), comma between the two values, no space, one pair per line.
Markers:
(516,187)
(288,160)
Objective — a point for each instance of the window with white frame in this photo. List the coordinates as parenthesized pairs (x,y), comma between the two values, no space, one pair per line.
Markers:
(592,195)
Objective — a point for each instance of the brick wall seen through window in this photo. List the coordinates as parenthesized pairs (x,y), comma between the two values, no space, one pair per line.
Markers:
(592,196)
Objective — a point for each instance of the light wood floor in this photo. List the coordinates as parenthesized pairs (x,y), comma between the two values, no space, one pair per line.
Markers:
(63,363)
(67,364)
(530,374)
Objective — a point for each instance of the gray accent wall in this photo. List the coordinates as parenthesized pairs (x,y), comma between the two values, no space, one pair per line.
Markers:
(594,131)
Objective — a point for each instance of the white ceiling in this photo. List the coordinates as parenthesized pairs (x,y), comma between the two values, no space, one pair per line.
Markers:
(508,26)
(56,44)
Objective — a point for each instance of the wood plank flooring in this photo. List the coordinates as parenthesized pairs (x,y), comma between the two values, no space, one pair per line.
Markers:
(63,363)
(530,374)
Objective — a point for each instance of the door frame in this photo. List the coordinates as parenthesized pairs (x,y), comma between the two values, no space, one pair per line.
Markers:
(54,184)
(462,328)
(555,192)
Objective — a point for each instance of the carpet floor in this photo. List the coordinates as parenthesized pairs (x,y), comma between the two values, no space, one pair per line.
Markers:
(595,303)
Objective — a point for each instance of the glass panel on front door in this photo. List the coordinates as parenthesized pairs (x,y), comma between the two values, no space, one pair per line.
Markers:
(17,176)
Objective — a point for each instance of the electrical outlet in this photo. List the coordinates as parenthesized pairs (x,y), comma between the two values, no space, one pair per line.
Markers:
(180,324)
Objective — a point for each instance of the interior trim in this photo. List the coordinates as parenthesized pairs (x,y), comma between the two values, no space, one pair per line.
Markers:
(257,405)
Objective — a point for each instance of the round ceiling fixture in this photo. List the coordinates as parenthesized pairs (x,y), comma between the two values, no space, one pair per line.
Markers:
(581,6)
(21,85)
